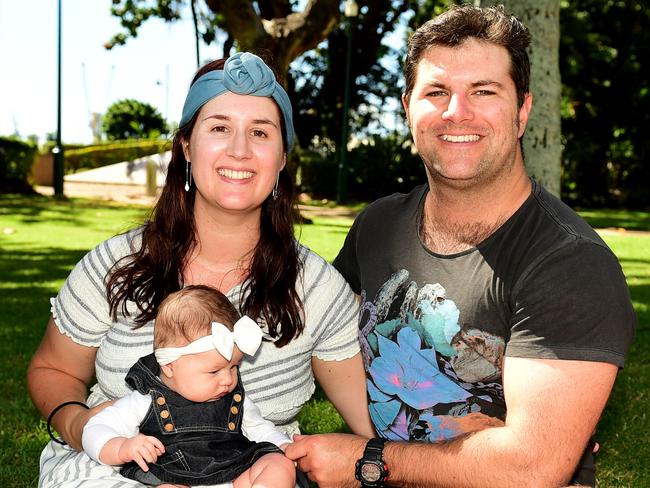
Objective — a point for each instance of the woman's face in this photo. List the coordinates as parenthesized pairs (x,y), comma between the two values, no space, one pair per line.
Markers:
(236,151)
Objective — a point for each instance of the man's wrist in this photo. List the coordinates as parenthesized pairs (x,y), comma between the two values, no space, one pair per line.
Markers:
(371,469)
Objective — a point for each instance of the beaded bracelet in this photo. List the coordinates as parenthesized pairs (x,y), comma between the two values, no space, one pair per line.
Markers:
(49,419)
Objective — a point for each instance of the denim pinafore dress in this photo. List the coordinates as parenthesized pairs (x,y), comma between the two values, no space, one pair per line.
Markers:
(204,444)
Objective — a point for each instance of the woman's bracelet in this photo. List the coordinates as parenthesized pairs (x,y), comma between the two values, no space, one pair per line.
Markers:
(49,419)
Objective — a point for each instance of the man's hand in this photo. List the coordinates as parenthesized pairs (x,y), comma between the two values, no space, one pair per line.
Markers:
(142,449)
(328,459)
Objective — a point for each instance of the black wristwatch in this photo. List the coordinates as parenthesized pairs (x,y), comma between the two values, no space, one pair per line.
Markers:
(371,469)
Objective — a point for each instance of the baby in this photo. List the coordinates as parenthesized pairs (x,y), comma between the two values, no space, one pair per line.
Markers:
(188,422)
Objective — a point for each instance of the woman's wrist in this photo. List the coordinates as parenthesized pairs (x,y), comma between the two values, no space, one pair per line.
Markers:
(67,421)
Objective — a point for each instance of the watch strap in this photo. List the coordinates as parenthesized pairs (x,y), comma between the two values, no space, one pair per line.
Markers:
(374,449)
(372,455)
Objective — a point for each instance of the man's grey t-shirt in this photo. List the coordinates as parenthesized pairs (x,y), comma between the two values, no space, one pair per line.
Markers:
(434,328)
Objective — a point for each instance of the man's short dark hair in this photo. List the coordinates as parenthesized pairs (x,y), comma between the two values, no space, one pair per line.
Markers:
(488,24)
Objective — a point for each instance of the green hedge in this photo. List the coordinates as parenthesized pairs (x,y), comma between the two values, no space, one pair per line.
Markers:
(90,157)
(16,159)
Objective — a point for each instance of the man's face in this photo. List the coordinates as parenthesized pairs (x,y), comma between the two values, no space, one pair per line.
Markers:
(463,114)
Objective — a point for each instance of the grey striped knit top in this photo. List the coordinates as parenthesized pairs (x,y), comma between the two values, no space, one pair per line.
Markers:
(278,380)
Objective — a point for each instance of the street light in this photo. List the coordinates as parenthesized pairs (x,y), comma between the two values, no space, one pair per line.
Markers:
(351,12)
(58,149)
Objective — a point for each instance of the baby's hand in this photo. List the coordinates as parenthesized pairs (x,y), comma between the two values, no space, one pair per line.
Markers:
(142,449)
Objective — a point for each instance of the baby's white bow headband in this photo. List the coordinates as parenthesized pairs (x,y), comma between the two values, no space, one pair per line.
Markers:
(246,334)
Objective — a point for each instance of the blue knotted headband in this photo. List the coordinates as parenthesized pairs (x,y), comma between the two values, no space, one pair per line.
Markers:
(244,74)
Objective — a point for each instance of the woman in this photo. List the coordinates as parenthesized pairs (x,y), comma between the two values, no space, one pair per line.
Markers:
(224,219)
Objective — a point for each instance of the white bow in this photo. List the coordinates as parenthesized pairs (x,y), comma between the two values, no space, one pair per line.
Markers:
(246,334)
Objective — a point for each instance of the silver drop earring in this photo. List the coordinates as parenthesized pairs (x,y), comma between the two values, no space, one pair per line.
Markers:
(188,175)
(274,193)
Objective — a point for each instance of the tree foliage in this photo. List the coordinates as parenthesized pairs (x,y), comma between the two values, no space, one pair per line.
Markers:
(131,119)
(605,93)
(321,75)
(274,26)
(604,53)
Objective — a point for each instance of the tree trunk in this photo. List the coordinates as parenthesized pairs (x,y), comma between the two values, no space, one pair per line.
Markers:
(542,145)
(285,37)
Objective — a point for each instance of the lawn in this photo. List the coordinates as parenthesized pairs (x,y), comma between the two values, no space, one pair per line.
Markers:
(41,239)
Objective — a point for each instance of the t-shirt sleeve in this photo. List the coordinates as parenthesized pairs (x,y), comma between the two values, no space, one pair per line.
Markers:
(331,311)
(346,261)
(80,309)
(257,428)
(573,304)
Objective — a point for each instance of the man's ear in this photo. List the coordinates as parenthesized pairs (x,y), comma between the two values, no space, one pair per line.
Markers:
(167,370)
(524,113)
(405,103)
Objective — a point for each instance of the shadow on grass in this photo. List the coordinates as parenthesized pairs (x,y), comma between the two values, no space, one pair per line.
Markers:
(619,219)
(29,278)
(38,208)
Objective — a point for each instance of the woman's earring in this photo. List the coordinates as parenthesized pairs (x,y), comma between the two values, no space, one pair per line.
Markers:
(274,193)
(188,175)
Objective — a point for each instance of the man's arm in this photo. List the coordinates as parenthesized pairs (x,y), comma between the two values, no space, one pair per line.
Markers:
(553,408)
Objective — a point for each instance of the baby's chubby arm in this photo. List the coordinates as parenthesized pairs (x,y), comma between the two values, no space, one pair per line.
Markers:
(142,449)
(112,436)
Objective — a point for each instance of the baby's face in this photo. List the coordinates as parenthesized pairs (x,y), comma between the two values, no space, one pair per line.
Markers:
(204,377)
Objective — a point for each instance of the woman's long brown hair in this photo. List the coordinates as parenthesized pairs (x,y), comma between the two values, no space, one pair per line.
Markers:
(154,271)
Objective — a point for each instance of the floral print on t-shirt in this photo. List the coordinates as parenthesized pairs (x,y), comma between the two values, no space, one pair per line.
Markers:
(429,378)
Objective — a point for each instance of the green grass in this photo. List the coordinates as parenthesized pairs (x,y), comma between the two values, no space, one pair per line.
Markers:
(623,430)
(324,235)
(617,219)
(41,239)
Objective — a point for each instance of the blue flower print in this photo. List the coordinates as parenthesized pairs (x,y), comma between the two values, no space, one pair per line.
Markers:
(411,373)
(440,324)
(438,427)
(383,408)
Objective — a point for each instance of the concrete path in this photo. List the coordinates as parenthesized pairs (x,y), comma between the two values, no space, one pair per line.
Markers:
(122,182)
(126,173)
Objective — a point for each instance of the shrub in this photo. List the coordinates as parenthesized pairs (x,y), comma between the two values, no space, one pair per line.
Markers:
(129,119)
(16,160)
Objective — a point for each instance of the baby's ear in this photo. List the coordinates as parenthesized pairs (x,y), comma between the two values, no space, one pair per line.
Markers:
(167,370)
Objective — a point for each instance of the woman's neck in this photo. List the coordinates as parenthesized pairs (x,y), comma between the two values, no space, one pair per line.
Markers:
(226,243)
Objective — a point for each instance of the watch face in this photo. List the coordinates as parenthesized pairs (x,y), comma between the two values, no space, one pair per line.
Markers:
(370,472)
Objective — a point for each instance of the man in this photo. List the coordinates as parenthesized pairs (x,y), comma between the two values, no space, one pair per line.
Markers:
(494,319)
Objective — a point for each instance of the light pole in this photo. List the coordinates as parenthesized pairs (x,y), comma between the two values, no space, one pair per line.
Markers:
(58,149)
(351,12)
